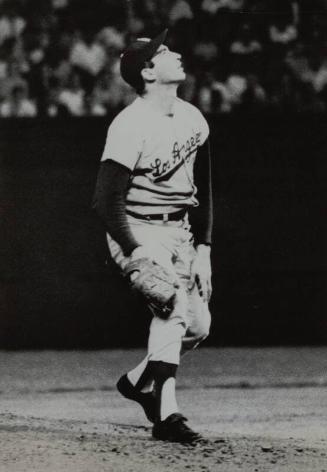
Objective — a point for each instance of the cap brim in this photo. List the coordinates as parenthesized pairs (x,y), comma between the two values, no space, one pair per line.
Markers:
(154,45)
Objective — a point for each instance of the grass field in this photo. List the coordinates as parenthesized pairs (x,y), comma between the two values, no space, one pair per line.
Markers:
(259,410)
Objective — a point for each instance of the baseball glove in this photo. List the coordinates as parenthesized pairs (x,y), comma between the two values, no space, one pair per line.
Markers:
(155,283)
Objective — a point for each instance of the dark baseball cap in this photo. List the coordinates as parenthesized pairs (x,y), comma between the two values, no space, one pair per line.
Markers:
(136,54)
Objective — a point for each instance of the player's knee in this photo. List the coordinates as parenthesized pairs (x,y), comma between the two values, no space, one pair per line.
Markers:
(200,331)
(201,335)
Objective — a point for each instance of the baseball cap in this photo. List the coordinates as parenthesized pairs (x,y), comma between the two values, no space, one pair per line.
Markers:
(136,54)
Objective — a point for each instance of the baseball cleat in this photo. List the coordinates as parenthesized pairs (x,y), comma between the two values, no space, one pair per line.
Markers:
(174,429)
(146,400)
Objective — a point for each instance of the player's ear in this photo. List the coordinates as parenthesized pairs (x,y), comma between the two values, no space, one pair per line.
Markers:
(148,73)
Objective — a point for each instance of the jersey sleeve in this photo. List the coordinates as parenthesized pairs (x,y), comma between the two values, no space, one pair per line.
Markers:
(124,142)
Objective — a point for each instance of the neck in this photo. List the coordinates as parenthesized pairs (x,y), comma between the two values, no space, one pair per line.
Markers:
(162,97)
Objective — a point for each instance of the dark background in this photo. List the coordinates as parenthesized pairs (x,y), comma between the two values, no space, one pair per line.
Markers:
(269,251)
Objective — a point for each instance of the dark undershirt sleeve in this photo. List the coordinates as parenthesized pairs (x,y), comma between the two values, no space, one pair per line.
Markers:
(109,202)
(201,217)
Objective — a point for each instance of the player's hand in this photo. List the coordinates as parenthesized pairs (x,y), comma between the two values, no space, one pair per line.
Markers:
(201,272)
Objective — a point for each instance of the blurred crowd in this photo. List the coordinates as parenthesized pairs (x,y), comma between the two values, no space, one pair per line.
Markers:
(61,57)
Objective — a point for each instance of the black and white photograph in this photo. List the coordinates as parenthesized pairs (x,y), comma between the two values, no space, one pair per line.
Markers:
(163,235)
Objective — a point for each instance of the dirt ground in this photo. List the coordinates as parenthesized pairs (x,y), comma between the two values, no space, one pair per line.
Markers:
(258,409)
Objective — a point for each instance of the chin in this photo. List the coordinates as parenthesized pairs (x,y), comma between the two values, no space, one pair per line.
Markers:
(181,76)
(177,79)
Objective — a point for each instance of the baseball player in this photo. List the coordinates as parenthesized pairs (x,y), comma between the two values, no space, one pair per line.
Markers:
(147,193)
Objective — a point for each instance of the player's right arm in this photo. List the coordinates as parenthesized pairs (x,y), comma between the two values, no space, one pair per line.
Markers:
(109,203)
(121,152)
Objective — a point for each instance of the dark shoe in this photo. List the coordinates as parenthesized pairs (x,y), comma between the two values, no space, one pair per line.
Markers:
(146,400)
(174,429)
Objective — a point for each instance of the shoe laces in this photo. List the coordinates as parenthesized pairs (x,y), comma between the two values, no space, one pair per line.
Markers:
(180,419)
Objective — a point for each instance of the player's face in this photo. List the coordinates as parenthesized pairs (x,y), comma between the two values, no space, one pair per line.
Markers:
(168,67)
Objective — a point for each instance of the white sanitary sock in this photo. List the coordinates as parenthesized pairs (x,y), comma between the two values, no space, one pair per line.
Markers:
(168,404)
(135,374)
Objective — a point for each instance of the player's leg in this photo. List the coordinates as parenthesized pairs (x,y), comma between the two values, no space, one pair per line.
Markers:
(164,346)
(140,376)
(131,386)
(165,337)
(198,316)
(160,365)
(165,342)
(195,318)
(199,321)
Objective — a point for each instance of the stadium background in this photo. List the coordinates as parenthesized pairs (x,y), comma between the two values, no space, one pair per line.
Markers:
(258,70)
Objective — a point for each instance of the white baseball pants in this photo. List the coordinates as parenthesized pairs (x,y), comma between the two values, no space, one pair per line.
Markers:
(189,323)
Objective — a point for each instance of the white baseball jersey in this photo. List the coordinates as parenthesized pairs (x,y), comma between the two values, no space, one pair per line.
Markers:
(160,150)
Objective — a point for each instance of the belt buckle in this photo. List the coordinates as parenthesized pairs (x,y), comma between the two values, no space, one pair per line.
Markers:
(165,217)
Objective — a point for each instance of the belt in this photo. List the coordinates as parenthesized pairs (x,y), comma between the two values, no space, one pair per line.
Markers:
(175,216)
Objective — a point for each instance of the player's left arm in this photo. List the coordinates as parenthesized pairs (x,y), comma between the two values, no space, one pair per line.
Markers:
(202,221)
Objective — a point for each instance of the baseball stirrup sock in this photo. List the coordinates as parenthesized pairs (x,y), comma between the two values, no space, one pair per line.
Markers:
(141,377)
(164,383)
